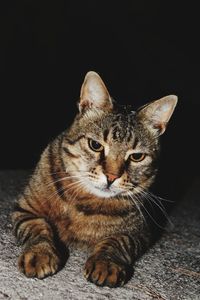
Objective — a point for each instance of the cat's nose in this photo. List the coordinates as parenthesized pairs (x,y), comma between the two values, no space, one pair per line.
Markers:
(111,178)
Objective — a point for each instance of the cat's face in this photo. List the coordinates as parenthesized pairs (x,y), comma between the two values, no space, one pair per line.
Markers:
(112,153)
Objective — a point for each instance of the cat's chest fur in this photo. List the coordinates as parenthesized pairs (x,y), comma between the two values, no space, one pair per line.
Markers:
(87,222)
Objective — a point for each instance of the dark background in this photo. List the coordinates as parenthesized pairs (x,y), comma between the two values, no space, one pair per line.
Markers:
(143,50)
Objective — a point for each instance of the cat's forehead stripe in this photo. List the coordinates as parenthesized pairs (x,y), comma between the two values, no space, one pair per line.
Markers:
(122,130)
(105,134)
(135,143)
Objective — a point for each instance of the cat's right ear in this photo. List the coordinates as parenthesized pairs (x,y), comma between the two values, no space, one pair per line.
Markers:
(94,93)
(157,114)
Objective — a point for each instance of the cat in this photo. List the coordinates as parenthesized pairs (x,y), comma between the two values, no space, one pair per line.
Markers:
(87,188)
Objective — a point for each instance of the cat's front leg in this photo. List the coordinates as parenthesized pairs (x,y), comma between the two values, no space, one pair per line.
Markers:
(39,260)
(112,259)
(40,256)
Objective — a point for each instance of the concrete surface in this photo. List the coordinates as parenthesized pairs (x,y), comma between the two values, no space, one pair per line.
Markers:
(170,270)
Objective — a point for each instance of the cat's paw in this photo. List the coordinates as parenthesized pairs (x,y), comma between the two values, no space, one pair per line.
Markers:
(38,261)
(104,272)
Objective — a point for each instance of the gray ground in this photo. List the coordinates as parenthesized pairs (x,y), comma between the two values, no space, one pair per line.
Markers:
(169,270)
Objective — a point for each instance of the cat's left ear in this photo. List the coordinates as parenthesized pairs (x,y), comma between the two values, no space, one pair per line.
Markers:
(157,114)
(94,93)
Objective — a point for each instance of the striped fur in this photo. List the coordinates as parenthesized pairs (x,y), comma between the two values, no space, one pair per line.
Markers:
(81,196)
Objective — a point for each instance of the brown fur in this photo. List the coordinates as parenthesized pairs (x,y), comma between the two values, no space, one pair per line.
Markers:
(60,207)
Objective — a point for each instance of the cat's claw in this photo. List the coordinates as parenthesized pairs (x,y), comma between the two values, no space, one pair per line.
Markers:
(37,263)
(105,273)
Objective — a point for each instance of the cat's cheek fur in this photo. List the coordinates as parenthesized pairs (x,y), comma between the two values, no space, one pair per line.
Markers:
(76,167)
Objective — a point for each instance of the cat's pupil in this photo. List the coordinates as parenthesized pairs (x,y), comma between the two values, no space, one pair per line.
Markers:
(94,145)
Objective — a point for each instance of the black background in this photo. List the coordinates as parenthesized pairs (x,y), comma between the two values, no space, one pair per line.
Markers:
(143,50)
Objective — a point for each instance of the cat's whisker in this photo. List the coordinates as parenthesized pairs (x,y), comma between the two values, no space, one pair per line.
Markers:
(56,193)
(72,185)
(76,193)
(159,205)
(146,197)
(61,179)
(63,189)
(158,197)
(144,194)
(137,205)
(151,217)
(57,172)
(151,197)
(155,199)
(75,185)
(71,174)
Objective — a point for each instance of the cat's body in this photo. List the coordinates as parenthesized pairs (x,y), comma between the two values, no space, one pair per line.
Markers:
(88,185)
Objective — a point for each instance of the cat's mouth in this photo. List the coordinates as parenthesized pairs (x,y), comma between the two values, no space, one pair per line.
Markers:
(107,192)
(104,191)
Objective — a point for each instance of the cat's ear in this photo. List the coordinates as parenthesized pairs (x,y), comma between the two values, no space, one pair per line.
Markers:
(94,93)
(157,114)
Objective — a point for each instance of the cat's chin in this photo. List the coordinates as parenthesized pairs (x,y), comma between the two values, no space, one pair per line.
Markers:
(103,193)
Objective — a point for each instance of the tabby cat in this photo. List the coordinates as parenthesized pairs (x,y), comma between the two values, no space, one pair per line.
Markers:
(88,187)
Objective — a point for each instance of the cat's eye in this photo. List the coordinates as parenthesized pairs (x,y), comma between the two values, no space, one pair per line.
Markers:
(138,156)
(95,146)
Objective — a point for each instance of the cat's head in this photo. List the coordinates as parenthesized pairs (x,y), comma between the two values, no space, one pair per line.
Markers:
(112,152)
